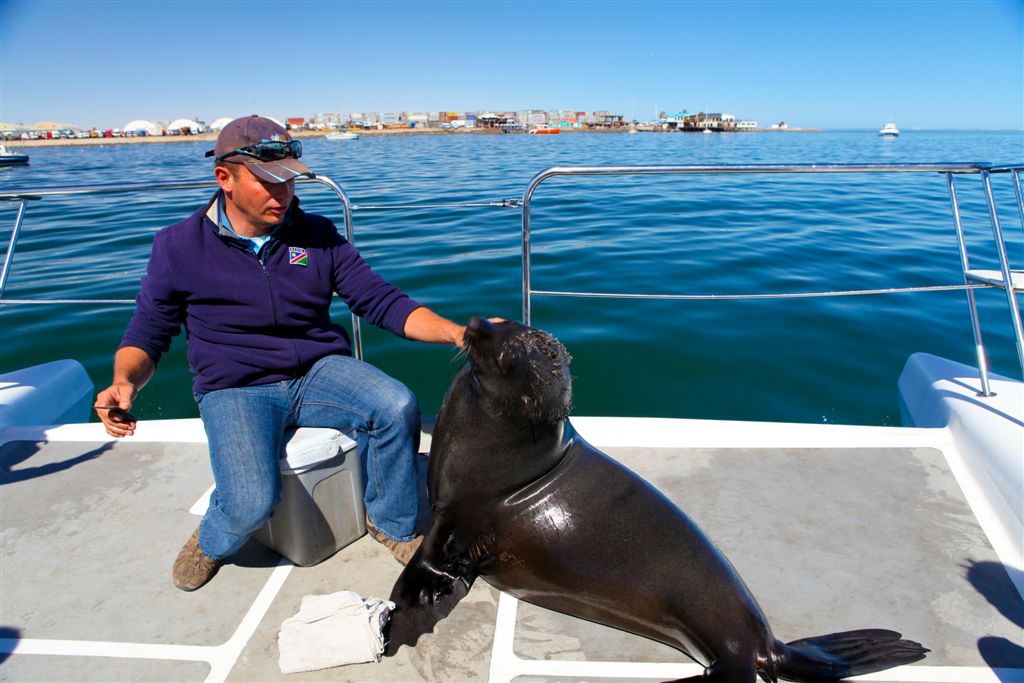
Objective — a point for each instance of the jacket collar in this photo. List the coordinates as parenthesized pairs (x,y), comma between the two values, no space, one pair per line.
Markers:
(215,206)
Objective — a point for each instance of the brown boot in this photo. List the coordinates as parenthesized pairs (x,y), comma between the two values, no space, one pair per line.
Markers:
(193,568)
(402,550)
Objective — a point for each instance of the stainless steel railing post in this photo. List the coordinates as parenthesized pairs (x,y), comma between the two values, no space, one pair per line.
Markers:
(979,345)
(9,256)
(357,331)
(1004,266)
(1015,178)
(527,198)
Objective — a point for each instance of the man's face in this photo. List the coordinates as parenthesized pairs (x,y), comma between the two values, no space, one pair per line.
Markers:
(261,203)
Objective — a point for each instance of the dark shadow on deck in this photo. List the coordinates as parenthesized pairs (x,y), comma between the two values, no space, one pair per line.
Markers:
(17,452)
(992,580)
(9,639)
(256,555)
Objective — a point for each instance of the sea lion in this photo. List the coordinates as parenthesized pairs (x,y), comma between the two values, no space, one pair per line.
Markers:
(521,500)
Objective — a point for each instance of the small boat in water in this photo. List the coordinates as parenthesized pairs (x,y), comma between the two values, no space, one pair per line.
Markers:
(342,135)
(9,158)
(889,130)
(545,131)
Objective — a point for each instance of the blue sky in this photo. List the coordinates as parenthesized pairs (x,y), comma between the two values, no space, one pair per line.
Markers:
(821,64)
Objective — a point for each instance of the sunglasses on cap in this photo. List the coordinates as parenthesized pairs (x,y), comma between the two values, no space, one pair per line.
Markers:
(266,150)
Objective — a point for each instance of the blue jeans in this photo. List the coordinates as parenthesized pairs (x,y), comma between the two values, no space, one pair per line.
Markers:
(245,426)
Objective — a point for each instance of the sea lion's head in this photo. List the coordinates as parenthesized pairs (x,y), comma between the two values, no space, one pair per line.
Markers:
(519,370)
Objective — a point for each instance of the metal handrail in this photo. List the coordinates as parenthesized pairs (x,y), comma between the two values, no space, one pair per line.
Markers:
(1004,265)
(510,203)
(972,305)
(950,170)
(717,169)
(122,188)
(754,297)
(981,169)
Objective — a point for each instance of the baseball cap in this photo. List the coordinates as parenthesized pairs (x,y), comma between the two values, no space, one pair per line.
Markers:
(263,146)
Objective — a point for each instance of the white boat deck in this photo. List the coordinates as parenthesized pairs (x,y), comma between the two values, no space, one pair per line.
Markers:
(832,527)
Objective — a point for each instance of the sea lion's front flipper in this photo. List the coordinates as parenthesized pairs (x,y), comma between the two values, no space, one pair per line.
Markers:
(436,578)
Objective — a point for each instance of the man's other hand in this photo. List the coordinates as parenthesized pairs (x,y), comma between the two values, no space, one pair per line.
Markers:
(112,406)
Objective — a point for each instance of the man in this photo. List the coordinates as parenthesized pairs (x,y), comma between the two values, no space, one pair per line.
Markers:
(251,276)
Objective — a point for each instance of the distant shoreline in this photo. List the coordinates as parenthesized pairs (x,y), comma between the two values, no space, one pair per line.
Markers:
(312,134)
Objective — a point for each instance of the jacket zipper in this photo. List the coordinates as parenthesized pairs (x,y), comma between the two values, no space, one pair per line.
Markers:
(265,251)
(270,290)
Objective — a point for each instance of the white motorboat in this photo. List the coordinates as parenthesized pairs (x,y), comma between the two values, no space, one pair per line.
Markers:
(342,135)
(11,158)
(916,527)
(889,130)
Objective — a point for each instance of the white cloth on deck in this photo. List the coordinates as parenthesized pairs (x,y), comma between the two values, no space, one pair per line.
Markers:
(333,630)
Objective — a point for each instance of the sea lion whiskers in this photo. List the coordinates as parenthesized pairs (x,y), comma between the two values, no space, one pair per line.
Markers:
(460,355)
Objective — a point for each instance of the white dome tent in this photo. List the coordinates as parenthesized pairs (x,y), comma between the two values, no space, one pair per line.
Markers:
(219,124)
(193,127)
(141,126)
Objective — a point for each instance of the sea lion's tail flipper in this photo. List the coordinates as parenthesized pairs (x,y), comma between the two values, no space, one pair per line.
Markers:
(839,655)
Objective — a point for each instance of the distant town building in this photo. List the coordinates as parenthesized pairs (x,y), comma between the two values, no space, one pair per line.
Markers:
(605,119)
(532,118)
(390,119)
(360,119)
(746,125)
(329,121)
(702,121)
(495,120)
(673,121)
(563,119)
(418,119)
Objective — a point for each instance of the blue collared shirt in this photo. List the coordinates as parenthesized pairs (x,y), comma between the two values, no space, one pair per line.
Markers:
(255,243)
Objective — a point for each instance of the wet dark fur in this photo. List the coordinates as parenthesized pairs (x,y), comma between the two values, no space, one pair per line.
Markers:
(519,499)
(532,374)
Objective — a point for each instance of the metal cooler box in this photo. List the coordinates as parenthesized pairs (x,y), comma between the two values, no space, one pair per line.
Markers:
(321,509)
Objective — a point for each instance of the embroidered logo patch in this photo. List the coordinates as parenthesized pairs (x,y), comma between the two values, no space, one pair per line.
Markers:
(297,256)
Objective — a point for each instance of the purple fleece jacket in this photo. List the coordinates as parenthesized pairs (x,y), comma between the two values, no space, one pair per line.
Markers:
(254,319)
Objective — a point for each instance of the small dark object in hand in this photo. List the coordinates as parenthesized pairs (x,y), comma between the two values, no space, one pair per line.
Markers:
(117,414)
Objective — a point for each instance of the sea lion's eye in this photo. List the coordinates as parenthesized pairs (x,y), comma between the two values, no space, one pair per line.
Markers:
(503,363)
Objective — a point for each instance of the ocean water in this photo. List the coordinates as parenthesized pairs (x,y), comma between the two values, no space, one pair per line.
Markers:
(831,360)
